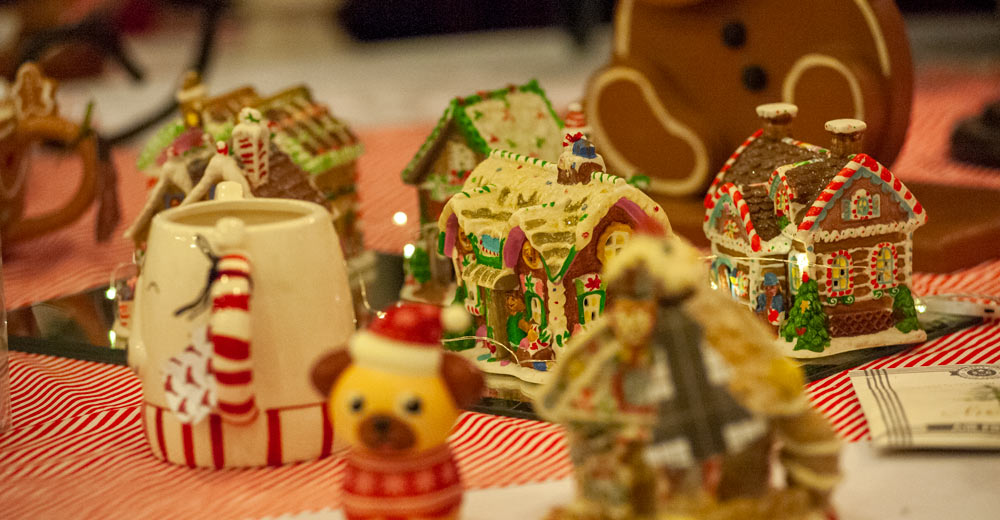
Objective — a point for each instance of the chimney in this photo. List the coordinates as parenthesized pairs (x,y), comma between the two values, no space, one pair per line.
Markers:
(777,119)
(578,161)
(190,97)
(846,136)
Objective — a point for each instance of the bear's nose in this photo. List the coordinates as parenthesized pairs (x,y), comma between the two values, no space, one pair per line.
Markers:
(381,425)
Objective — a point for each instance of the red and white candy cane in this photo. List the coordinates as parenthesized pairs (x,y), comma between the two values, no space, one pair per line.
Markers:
(229,326)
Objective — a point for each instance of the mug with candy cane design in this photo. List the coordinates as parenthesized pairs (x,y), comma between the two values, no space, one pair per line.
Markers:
(235,300)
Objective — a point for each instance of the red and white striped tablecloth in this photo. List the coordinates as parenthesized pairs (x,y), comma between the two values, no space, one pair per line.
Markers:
(77,449)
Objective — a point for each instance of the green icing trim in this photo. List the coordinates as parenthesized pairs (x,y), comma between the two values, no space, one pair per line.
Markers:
(464,122)
(429,142)
(162,139)
(316,164)
(563,269)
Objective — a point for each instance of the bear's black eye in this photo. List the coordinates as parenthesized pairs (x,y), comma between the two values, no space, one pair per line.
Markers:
(413,406)
(356,404)
(734,35)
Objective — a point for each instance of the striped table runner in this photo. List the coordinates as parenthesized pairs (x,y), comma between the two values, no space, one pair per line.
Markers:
(77,448)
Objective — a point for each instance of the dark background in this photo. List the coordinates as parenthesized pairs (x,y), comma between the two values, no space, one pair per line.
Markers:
(382,19)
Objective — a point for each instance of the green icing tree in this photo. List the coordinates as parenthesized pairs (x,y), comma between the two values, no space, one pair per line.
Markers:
(903,310)
(806,320)
(419,265)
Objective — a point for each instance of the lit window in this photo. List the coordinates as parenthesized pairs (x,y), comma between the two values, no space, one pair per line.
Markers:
(838,274)
(612,241)
(862,206)
(883,266)
(590,297)
(592,304)
(794,276)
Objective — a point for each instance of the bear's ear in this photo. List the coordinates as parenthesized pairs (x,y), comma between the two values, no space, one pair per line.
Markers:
(326,371)
(464,381)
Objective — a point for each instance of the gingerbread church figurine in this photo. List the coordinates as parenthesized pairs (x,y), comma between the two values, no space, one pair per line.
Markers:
(527,239)
(675,402)
(817,241)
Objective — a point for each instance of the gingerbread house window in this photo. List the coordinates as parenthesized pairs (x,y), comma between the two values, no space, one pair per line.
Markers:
(590,297)
(530,256)
(730,229)
(838,274)
(533,300)
(883,266)
(862,206)
(794,276)
(612,241)
(473,303)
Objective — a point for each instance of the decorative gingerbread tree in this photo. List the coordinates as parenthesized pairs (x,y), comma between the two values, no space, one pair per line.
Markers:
(903,310)
(806,323)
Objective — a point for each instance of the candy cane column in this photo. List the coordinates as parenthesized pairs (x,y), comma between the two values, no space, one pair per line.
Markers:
(229,326)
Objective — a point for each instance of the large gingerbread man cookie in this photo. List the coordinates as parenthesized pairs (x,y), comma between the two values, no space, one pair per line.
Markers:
(679,93)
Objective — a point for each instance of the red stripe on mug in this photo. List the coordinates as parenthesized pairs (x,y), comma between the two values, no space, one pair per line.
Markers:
(327,447)
(239,377)
(273,438)
(232,301)
(159,433)
(230,348)
(188,438)
(236,408)
(215,431)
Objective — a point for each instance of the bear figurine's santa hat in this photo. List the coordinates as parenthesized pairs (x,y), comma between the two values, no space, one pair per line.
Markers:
(406,338)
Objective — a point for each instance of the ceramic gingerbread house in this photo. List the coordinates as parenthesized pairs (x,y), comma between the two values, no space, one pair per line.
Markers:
(527,239)
(519,119)
(817,241)
(676,401)
(286,145)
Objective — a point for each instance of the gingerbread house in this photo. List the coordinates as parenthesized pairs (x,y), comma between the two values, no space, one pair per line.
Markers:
(298,150)
(818,241)
(527,239)
(313,154)
(519,119)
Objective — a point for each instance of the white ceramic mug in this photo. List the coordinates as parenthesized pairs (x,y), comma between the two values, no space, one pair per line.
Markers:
(299,307)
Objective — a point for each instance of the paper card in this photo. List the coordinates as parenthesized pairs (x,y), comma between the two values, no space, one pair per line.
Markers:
(955,406)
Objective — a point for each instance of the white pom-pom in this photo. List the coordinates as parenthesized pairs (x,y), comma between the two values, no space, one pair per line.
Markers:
(454,318)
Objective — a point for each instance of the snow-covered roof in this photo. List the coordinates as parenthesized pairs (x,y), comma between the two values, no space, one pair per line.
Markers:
(508,191)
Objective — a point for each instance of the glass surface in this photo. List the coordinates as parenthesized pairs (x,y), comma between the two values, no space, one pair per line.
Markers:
(4,367)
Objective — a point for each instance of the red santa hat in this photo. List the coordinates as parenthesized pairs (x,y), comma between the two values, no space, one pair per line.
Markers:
(406,338)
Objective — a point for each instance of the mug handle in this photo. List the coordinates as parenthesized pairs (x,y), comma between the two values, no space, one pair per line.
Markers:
(54,128)
(229,325)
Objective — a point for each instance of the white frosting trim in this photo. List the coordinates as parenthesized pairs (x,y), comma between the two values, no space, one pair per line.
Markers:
(823,60)
(699,172)
(866,231)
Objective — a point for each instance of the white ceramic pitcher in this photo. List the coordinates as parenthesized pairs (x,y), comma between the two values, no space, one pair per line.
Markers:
(281,260)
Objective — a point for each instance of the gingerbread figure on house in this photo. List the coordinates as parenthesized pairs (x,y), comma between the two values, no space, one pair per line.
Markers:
(519,119)
(817,241)
(527,239)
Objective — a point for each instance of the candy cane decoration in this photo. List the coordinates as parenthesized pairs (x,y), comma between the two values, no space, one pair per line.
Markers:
(229,326)
(252,140)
